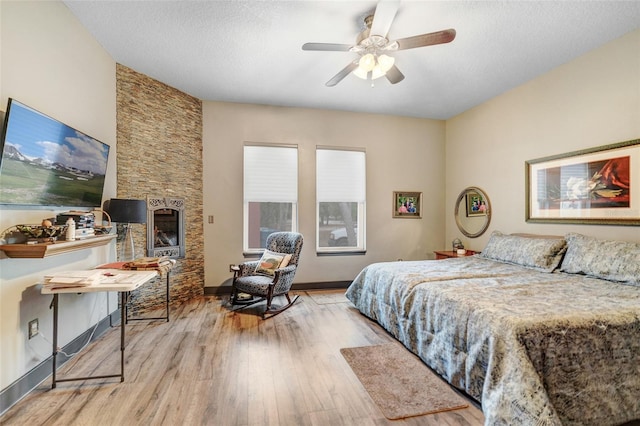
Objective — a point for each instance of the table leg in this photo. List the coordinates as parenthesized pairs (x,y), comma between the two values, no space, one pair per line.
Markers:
(123,319)
(168,275)
(125,308)
(54,304)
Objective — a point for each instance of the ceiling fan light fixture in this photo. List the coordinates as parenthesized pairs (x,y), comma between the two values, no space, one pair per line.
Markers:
(377,73)
(360,73)
(373,74)
(367,62)
(374,64)
(386,62)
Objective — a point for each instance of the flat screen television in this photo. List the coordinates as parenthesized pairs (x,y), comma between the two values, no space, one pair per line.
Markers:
(47,163)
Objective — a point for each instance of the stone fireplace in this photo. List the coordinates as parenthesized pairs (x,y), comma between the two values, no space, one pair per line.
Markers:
(159,148)
(165,227)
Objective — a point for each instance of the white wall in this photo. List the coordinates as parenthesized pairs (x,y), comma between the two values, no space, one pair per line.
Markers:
(591,101)
(403,154)
(51,63)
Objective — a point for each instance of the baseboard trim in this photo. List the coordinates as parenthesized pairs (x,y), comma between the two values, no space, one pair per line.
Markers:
(41,372)
(325,285)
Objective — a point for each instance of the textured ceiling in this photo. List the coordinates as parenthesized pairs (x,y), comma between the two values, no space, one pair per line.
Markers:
(250,51)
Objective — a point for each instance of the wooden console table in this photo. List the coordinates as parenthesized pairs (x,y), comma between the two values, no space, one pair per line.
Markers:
(164,269)
(115,280)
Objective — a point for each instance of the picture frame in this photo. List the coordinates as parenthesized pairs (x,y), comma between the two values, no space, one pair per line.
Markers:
(598,186)
(476,204)
(407,204)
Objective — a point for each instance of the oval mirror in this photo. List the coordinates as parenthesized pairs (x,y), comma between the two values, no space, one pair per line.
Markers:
(473,212)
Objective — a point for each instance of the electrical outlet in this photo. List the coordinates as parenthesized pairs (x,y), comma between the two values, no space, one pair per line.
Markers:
(33,328)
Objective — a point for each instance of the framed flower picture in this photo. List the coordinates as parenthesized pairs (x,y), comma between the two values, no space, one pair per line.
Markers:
(594,186)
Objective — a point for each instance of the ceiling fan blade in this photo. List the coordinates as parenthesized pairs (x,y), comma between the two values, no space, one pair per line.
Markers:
(383,17)
(439,37)
(342,74)
(332,47)
(394,75)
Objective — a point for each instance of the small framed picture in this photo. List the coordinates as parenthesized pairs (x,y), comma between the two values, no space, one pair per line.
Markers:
(476,204)
(407,204)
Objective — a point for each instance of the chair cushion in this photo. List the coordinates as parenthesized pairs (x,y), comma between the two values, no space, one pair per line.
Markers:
(254,284)
(271,261)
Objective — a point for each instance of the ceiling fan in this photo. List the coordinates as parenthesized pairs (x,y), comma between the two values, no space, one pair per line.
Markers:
(373,46)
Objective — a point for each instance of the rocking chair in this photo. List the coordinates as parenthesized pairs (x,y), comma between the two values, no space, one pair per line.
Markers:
(270,276)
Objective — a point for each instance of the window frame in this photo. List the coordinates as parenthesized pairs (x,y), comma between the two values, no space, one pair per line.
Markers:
(360,247)
(252,251)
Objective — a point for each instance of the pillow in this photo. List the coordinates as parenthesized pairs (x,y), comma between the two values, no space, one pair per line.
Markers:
(605,259)
(270,261)
(543,254)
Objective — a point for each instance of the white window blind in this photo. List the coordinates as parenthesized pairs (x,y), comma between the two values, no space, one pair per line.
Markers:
(270,174)
(341,175)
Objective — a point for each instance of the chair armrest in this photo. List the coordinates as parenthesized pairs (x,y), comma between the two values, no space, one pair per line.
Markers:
(289,269)
(247,268)
(283,279)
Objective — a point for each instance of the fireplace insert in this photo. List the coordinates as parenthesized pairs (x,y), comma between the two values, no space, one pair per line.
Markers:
(165,227)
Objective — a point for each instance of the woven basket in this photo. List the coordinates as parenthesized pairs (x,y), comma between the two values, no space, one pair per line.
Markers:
(103,229)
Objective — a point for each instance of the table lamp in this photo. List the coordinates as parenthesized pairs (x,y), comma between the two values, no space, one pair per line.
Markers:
(126,211)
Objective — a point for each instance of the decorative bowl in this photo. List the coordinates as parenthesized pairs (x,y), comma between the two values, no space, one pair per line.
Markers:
(42,233)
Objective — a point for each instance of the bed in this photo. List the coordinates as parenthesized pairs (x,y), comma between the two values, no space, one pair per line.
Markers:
(540,331)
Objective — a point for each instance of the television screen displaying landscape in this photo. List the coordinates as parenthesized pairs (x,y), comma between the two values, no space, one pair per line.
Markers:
(47,163)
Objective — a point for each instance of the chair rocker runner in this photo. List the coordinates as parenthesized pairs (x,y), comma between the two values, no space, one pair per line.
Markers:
(270,276)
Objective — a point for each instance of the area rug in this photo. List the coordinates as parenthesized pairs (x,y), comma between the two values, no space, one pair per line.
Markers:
(399,383)
(327,297)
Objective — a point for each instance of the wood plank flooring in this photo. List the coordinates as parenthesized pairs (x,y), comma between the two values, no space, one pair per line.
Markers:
(209,366)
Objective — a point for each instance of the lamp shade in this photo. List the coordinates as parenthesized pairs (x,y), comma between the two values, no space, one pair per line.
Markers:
(124,210)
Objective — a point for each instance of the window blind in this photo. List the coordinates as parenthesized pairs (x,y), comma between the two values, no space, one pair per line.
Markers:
(341,175)
(270,174)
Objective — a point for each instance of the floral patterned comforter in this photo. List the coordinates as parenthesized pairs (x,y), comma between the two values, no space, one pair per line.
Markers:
(534,348)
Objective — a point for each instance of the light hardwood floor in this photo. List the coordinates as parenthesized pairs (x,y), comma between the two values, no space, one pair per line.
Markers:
(209,366)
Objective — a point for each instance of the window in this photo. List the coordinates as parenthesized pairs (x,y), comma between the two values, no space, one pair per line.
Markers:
(270,193)
(340,200)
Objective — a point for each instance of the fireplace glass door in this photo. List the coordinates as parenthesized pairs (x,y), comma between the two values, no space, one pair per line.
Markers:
(165,227)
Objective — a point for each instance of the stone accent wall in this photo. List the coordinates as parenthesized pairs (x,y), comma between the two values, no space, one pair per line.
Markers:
(159,153)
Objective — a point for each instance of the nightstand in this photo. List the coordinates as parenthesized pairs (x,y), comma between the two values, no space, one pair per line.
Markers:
(449,254)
